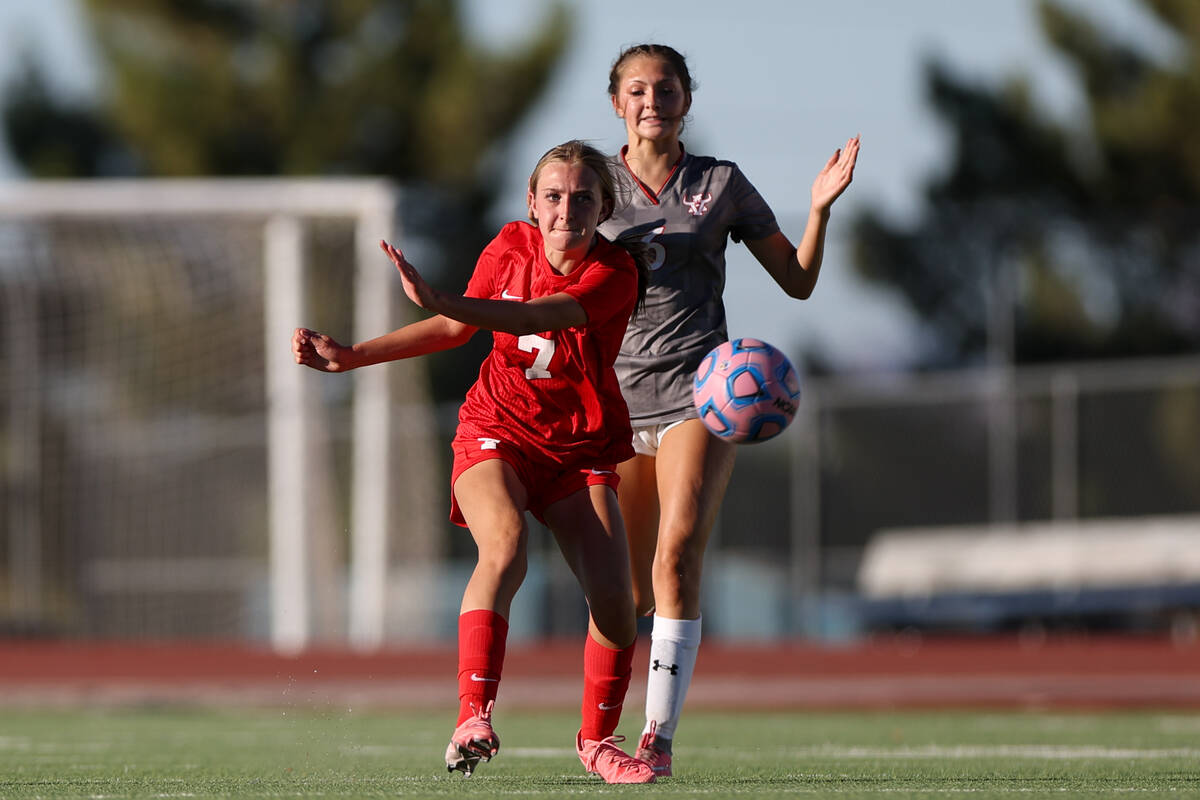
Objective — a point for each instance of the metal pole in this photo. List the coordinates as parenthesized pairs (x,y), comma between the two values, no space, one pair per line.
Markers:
(371,500)
(24,452)
(805,577)
(288,427)
(1064,398)
(1002,406)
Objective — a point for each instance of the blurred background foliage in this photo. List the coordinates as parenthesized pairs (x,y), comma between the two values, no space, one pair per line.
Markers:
(391,88)
(1083,231)
(1044,235)
(1040,239)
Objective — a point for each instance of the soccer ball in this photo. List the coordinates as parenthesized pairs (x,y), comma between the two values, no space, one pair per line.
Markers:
(746,391)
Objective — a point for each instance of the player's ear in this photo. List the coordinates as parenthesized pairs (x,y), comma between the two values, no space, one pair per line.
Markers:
(529,203)
(615,106)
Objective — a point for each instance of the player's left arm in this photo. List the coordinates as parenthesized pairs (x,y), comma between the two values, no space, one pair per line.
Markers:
(551,313)
(796,269)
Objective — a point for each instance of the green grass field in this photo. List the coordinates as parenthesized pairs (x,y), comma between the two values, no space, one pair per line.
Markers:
(260,754)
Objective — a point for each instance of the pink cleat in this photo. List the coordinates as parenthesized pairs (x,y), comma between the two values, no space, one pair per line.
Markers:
(603,757)
(473,741)
(649,752)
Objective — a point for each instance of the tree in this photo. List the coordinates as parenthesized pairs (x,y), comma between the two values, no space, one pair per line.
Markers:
(1088,230)
(230,87)
(392,88)
(221,87)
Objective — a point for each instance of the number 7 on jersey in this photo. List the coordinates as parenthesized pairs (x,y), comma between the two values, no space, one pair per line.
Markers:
(544,349)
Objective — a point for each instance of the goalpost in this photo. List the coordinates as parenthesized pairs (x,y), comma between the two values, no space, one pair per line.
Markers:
(143,406)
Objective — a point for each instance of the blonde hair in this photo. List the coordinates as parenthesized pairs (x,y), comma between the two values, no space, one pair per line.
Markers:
(579,152)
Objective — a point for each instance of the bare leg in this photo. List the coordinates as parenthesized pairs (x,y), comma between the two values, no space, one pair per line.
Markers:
(638,496)
(693,470)
(493,500)
(588,528)
(591,536)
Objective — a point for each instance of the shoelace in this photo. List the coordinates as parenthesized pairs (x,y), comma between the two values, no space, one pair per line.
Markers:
(599,748)
(486,714)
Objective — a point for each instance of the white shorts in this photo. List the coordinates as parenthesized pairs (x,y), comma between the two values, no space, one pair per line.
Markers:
(647,438)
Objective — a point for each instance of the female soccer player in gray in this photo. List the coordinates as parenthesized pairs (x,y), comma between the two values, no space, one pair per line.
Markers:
(684,208)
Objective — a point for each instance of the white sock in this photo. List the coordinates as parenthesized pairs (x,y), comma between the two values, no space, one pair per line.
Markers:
(673,647)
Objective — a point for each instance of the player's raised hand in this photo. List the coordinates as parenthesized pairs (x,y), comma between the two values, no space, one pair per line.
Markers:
(835,176)
(318,351)
(415,286)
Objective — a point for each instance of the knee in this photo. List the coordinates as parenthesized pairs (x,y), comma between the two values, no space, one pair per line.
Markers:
(612,604)
(504,560)
(618,625)
(678,562)
(612,607)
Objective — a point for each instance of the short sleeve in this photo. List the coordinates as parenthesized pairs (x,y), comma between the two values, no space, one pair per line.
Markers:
(753,218)
(483,279)
(608,287)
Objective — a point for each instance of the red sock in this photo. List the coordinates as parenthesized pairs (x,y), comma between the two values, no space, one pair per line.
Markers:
(605,680)
(481,638)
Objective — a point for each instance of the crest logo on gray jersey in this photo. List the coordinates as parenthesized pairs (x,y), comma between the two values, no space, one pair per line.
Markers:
(698,204)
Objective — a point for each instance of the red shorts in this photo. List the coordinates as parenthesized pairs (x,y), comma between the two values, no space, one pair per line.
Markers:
(545,484)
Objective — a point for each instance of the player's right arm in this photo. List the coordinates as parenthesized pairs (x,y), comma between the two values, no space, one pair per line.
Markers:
(550,313)
(321,352)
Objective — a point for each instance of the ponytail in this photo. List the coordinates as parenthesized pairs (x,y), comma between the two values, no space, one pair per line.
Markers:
(640,253)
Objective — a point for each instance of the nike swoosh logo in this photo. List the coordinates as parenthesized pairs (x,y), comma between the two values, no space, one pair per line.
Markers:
(508,296)
(602,472)
(478,679)
(605,707)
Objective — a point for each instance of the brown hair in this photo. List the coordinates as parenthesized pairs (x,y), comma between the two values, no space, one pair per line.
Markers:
(580,152)
(666,53)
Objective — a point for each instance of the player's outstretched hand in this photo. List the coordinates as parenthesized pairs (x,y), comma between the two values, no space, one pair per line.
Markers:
(415,286)
(319,351)
(835,176)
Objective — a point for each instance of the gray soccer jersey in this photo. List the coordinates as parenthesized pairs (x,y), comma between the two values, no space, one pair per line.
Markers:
(702,205)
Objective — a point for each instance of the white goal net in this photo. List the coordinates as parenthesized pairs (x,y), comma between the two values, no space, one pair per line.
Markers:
(168,471)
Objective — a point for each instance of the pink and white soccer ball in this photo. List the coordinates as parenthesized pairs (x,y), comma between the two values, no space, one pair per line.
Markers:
(746,391)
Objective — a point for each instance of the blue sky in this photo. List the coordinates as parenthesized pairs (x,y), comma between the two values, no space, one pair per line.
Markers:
(781,84)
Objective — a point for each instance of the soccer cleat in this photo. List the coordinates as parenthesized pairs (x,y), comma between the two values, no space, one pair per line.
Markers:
(602,757)
(649,752)
(473,741)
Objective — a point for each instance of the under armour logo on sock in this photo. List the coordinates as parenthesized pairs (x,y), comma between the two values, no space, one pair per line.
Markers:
(673,669)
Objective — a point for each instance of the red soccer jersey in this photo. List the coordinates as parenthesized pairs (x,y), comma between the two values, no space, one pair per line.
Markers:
(554,394)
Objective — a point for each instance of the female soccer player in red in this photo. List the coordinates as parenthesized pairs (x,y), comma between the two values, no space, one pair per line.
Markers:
(684,208)
(542,430)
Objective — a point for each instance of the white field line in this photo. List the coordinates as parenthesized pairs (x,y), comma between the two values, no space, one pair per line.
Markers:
(1050,752)
(1034,751)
